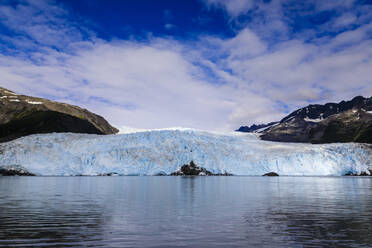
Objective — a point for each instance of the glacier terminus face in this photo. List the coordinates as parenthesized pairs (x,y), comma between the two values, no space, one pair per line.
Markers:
(165,151)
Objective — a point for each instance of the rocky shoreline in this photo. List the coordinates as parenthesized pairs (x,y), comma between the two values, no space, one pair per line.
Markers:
(14,172)
(271,174)
(190,169)
(367,173)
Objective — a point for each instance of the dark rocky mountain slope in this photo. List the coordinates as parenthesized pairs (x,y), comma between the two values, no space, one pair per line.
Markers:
(347,121)
(22,115)
(255,128)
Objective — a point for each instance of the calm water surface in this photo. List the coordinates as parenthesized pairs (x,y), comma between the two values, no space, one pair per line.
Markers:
(185,212)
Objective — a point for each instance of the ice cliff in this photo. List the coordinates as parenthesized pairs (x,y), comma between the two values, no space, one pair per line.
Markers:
(153,152)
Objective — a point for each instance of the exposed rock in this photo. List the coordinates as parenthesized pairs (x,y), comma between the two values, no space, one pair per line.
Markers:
(348,126)
(22,115)
(255,128)
(110,174)
(193,170)
(162,173)
(45,122)
(14,172)
(347,121)
(363,173)
(271,174)
(318,111)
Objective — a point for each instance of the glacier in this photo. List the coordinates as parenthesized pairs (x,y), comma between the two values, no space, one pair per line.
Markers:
(165,151)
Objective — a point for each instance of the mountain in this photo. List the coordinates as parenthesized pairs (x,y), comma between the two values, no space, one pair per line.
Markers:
(22,115)
(255,128)
(166,152)
(347,121)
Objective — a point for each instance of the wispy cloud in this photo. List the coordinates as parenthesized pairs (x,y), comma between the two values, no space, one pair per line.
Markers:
(40,23)
(233,7)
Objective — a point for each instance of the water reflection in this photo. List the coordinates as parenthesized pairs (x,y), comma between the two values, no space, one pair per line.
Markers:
(185,211)
(326,213)
(42,215)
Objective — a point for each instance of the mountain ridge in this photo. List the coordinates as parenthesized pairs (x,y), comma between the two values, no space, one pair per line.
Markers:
(346,121)
(22,115)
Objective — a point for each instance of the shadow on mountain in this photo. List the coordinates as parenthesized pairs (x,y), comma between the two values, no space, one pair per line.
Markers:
(45,122)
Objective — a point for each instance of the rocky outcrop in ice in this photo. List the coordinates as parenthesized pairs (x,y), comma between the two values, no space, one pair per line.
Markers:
(193,170)
(163,152)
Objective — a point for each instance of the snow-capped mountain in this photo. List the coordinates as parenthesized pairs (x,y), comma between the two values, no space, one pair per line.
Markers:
(317,112)
(347,121)
(22,115)
(164,152)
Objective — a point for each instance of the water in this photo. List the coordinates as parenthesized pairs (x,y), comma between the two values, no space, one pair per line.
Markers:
(185,212)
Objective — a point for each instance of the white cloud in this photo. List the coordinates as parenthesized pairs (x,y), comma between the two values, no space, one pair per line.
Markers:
(245,43)
(295,71)
(233,7)
(129,83)
(331,5)
(236,8)
(40,21)
(213,83)
(345,20)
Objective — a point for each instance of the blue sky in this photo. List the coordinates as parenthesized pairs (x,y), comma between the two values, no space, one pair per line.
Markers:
(207,64)
(126,19)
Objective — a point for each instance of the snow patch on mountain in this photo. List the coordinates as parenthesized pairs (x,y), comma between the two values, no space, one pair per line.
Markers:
(35,103)
(11,93)
(313,120)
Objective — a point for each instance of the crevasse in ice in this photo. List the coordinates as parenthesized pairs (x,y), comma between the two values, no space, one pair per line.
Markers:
(153,152)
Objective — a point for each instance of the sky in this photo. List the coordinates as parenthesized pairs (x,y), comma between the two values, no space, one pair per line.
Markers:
(205,64)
